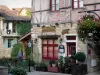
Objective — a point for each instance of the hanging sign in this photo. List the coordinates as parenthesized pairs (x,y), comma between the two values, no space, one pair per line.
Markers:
(61,49)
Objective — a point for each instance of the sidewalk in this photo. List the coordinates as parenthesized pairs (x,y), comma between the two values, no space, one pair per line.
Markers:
(49,73)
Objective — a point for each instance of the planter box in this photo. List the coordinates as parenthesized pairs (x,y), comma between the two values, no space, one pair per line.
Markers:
(79,69)
(3,70)
(53,69)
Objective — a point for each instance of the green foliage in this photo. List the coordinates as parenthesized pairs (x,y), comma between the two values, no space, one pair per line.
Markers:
(18,71)
(43,64)
(80,56)
(23,27)
(52,62)
(86,25)
(28,13)
(29,53)
(16,49)
(5,61)
(67,60)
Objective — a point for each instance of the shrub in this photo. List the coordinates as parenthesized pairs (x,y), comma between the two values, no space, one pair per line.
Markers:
(80,56)
(16,49)
(5,61)
(18,71)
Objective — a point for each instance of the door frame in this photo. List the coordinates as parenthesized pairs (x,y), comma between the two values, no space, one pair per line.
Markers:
(68,41)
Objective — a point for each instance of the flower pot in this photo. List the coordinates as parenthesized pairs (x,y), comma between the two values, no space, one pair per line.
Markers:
(53,65)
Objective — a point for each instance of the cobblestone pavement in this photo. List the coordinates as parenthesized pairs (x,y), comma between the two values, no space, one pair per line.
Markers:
(48,73)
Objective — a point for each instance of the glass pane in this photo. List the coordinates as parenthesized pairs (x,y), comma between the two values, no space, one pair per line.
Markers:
(56,55)
(53,7)
(44,41)
(81,3)
(75,4)
(50,49)
(45,48)
(55,41)
(56,48)
(71,37)
(50,54)
(53,1)
(57,6)
(44,51)
(50,41)
(44,54)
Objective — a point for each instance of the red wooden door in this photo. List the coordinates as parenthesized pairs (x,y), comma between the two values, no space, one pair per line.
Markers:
(71,48)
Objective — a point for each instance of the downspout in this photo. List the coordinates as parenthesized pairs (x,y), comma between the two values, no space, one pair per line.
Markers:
(71,13)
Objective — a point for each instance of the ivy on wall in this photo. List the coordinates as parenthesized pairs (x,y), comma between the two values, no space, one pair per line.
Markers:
(23,27)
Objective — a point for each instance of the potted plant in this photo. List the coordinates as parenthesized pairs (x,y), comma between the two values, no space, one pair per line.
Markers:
(52,66)
(80,68)
(43,66)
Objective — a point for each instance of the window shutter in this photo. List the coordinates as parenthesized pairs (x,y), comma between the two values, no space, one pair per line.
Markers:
(6,43)
(50,5)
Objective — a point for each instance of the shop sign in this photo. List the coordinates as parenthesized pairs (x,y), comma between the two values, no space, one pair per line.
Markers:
(49,33)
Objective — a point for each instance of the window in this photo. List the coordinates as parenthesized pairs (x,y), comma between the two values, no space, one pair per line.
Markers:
(9,43)
(77,3)
(54,5)
(49,49)
(14,28)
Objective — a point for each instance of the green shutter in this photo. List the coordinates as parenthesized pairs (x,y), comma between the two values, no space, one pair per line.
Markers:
(14,41)
(6,43)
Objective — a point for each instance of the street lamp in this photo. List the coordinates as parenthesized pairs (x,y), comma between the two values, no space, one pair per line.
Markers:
(30,45)
(90,11)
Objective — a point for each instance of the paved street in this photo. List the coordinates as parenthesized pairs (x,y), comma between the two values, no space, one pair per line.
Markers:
(48,73)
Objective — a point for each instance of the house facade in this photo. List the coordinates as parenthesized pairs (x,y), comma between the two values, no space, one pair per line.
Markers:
(8,30)
(55,28)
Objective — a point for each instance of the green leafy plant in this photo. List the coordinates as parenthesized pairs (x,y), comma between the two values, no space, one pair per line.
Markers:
(16,49)
(67,64)
(29,53)
(80,56)
(87,24)
(18,71)
(52,62)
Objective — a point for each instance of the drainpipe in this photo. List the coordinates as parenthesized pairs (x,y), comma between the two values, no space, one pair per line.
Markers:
(71,12)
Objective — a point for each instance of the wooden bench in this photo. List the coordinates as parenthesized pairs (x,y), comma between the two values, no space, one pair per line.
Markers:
(3,70)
